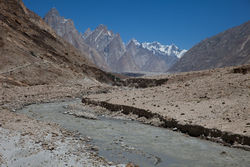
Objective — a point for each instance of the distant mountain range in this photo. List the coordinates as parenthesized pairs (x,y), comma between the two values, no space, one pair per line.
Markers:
(107,50)
(229,48)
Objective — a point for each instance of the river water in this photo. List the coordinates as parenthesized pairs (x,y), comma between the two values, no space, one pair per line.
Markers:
(124,141)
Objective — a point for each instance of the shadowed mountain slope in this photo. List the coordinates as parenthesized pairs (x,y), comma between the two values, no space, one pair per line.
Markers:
(229,48)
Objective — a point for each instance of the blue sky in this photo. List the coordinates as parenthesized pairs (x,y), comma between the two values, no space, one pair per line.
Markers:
(182,22)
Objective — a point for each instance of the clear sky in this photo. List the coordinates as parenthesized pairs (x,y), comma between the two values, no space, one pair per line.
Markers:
(182,22)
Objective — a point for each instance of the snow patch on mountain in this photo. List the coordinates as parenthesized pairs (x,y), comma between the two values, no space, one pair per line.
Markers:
(64,21)
(135,42)
(181,53)
(156,47)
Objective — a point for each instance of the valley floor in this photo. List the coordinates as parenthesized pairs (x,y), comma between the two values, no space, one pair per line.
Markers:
(213,99)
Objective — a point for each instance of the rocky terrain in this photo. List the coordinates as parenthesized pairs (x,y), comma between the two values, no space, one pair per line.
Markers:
(228,48)
(107,50)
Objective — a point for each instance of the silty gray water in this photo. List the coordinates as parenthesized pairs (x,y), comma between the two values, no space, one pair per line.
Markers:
(124,141)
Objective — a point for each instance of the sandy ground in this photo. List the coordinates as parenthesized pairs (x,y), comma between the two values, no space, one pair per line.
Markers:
(213,99)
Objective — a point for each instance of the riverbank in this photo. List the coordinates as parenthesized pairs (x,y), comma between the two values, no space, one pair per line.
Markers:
(212,104)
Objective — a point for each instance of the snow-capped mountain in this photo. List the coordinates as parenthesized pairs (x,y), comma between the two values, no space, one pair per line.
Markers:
(156,47)
(170,50)
(152,56)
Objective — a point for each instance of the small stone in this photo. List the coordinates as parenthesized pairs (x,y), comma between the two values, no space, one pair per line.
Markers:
(94,148)
(182,113)
(110,163)
(18,120)
(131,165)
(223,153)
(175,129)
(223,102)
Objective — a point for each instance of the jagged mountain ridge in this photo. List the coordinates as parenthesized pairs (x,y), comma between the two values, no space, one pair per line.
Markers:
(112,51)
(66,29)
(108,44)
(228,48)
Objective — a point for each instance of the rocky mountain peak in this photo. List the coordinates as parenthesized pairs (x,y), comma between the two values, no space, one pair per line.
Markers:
(101,27)
(147,56)
(133,41)
(53,12)
(86,33)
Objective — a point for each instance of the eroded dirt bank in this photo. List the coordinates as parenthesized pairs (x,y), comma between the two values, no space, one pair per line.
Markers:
(216,135)
(212,104)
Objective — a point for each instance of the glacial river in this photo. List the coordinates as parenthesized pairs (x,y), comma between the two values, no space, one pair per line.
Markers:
(124,141)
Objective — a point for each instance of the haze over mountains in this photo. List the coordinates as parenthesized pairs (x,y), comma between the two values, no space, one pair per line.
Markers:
(107,50)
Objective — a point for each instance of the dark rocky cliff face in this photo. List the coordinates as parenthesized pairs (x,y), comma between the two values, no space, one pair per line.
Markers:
(229,48)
